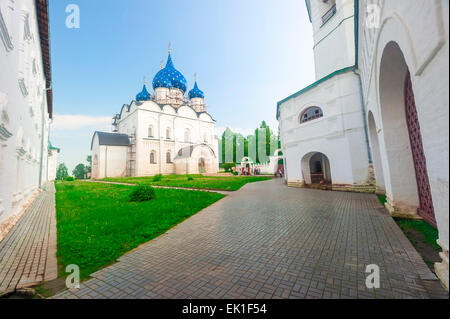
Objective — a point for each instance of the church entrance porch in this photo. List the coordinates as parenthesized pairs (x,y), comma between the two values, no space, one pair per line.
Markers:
(316,171)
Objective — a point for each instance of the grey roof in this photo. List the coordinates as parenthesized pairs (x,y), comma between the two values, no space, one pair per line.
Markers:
(112,139)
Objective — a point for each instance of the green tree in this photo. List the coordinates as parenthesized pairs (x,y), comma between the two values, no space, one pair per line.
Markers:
(62,172)
(234,147)
(89,167)
(80,171)
(245,147)
(258,146)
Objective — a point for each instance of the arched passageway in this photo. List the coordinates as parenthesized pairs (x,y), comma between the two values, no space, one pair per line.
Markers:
(409,190)
(316,170)
(376,155)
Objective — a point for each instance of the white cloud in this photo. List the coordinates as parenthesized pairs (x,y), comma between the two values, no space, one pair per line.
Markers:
(64,122)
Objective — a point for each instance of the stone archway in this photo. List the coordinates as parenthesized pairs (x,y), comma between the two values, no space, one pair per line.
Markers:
(316,170)
(376,156)
(407,185)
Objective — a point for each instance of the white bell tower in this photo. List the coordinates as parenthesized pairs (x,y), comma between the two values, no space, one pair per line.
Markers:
(334,34)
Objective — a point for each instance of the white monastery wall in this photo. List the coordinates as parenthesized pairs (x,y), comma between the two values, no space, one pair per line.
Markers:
(24,119)
(417,36)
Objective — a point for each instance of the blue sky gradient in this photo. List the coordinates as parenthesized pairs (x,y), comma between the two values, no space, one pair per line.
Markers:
(247,54)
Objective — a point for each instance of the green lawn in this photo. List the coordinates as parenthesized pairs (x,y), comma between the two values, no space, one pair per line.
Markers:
(382,199)
(96,223)
(430,234)
(227,183)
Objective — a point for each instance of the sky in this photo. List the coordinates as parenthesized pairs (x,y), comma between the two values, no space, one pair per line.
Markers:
(247,55)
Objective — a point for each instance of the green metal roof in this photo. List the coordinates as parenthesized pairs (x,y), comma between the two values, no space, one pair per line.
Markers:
(51,147)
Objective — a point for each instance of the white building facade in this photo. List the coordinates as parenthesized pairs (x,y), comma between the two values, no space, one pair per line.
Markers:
(167,132)
(322,127)
(25,105)
(404,64)
(382,69)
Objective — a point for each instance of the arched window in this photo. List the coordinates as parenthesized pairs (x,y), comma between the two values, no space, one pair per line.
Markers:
(150,131)
(310,114)
(168,157)
(153,157)
(187,135)
(205,137)
(168,135)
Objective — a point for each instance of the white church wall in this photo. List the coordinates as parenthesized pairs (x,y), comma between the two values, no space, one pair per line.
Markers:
(420,32)
(23,110)
(112,160)
(115,159)
(339,134)
(52,164)
(97,159)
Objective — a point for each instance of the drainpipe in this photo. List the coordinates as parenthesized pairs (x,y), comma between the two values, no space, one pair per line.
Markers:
(357,73)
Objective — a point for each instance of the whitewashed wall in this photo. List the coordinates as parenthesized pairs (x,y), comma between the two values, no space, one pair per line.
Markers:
(421,34)
(23,108)
(108,161)
(339,134)
(52,165)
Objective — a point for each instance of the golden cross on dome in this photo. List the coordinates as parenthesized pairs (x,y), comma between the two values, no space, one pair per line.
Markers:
(170,49)
(162,63)
(144,81)
(195,77)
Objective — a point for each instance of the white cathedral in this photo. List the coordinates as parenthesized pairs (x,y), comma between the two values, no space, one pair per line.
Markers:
(168,131)
(377,117)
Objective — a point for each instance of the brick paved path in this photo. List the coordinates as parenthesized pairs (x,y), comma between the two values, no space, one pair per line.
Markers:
(271,241)
(28,252)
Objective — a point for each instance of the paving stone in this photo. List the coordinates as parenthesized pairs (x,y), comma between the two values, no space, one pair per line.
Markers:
(271,241)
(28,252)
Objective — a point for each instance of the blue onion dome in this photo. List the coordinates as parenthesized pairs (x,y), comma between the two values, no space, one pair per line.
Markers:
(162,80)
(196,92)
(143,95)
(170,77)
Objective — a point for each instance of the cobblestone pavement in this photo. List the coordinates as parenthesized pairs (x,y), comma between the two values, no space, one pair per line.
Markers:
(271,241)
(28,252)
